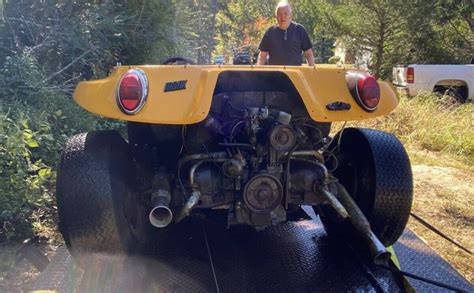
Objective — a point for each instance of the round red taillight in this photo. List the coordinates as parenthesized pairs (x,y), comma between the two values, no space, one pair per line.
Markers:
(132,91)
(369,91)
(364,88)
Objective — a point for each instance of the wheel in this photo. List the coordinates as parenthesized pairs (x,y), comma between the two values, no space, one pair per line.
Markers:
(97,211)
(178,61)
(457,94)
(375,169)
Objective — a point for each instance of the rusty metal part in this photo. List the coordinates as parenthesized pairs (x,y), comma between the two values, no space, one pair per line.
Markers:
(263,193)
(362,226)
(283,118)
(323,167)
(309,153)
(233,168)
(188,206)
(207,156)
(192,171)
(259,221)
(160,215)
(196,194)
(334,202)
(307,177)
(282,138)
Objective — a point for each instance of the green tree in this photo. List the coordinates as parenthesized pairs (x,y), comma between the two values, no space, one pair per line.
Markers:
(241,24)
(194,29)
(367,26)
(444,33)
(402,32)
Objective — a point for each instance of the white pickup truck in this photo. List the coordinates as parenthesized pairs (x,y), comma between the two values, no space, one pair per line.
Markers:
(454,80)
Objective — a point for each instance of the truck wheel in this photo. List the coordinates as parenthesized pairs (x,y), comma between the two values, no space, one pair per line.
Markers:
(375,169)
(456,94)
(93,194)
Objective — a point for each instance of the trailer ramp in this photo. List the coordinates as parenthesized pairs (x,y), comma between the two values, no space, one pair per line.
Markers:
(293,257)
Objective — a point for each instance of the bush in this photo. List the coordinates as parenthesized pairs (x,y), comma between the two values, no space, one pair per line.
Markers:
(47,50)
(31,139)
(26,181)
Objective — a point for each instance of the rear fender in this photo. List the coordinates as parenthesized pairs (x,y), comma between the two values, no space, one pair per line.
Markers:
(317,86)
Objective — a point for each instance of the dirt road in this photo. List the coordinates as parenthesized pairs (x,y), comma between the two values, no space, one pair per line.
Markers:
(444,196)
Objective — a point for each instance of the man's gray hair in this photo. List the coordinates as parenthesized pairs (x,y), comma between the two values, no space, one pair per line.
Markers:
(282,4)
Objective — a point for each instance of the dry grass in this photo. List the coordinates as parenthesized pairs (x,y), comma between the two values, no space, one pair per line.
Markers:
(444,196)
(430,123)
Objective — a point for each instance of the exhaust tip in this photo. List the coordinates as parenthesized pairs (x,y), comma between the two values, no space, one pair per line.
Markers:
(160,216)
(382,257)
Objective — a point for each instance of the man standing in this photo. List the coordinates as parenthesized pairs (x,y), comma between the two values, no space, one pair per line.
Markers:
(283,43)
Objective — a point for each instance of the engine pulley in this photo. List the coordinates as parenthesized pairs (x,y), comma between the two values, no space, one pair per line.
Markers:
(282,138)
(263,193)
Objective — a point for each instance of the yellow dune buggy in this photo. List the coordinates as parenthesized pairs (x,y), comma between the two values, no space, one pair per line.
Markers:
(243,145)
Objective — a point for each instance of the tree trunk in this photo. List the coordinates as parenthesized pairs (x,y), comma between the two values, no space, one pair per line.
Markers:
(380,45)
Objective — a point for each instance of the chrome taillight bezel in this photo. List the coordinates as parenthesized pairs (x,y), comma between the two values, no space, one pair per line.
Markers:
(352,79)
(142,78)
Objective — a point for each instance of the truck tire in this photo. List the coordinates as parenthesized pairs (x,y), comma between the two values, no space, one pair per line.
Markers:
(375,169)
(94,178)
(457,93)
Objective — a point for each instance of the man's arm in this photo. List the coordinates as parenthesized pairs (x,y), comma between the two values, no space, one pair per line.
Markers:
(309,57)
(262,58)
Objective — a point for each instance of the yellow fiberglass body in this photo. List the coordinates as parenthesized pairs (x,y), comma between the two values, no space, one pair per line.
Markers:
(317,86)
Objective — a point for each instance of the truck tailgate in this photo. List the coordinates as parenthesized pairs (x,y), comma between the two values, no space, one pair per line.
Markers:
(399,76)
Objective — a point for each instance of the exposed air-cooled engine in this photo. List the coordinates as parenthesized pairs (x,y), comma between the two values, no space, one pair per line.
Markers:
(250,160)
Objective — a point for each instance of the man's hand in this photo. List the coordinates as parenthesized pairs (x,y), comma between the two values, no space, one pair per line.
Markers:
(262,58)
(308,54)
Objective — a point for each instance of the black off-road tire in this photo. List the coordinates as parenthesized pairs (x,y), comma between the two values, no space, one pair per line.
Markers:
(375,169)
(94,179)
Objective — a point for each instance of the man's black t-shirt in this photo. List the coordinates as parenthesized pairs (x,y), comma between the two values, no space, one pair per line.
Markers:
(285,46)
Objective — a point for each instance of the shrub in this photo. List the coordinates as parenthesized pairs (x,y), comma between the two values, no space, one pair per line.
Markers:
(26,181)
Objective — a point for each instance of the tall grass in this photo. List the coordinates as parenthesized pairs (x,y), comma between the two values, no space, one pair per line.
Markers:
(433,123)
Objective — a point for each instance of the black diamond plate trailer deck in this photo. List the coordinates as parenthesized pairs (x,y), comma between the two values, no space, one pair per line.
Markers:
(293,257)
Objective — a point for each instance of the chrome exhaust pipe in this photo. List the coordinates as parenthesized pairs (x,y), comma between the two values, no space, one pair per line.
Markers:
(160,215)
